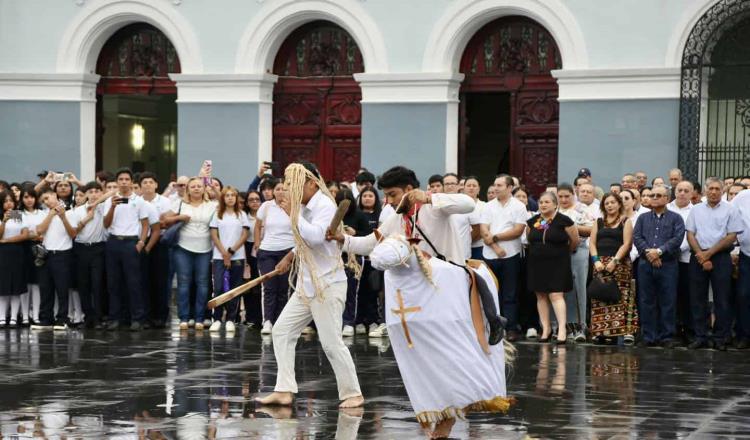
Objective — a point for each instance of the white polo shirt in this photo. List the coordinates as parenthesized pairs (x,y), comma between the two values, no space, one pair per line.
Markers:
(684,212)
(277,228)
(230,227)
(13,228)
(56,238)
(475,218)
(500,218)
(94,231)
(33,219)
(127,218)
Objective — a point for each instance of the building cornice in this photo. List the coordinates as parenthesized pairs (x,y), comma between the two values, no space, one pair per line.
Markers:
(409,87)
(224,88)
(618,84)
(78,87)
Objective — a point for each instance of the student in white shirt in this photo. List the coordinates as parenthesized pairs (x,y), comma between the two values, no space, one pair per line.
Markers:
(55,274)
(229,231)
(32,217)
(155,261)
(192,255)
(273,240)
(472,189)
(252,300)
(466,225)
(126,218)
(88,249)
(12,273)
(681,205)
(503,223)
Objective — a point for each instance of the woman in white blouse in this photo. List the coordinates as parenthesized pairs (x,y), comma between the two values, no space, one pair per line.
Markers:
(273,239)
(32,217)
(229,231)
(192,255)
(12,274)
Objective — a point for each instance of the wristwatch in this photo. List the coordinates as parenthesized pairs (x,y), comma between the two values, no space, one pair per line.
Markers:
(616,260)
(658,251)
(231,251)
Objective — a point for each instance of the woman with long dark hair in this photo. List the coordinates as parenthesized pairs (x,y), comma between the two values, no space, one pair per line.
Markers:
(12,273)
(355,223)
(609,246)
(252,299)
(32,217)
(369,295)
(273,240)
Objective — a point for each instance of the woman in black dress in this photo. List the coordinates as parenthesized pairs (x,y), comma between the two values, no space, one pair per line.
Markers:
(552,237)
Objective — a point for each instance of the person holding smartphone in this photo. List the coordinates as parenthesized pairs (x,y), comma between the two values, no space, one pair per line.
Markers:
(55,274)
(12,274)
(127,221)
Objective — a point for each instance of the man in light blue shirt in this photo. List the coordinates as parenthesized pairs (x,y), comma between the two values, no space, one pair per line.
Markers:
(712,229)
(742,204)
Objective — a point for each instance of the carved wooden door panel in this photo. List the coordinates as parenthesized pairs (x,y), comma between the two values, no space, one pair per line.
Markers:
(516,55)
(317,112)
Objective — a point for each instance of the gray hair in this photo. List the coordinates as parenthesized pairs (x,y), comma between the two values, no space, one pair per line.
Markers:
(711,180)
(551,195)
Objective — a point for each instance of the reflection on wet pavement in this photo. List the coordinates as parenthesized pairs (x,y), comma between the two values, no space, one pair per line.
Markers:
(167,385)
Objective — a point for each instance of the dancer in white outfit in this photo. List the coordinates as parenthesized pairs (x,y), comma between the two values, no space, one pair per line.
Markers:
(320,289)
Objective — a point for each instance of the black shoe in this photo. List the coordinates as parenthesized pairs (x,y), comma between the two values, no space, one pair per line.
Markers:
(742,344)
(543,340)
(697,344)
(721,346)
(136,326)
(669,343)
(147,325)
(99,326)
(113,325)
(512,336)
(647,344)
(556,341)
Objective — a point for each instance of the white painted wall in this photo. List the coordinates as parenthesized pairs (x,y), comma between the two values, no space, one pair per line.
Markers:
(617,33)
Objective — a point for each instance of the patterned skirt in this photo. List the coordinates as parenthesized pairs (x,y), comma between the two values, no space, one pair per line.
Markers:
(620,318)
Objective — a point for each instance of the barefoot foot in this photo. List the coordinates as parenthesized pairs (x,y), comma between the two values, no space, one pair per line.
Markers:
(276,398)
(443,429)
(353,402)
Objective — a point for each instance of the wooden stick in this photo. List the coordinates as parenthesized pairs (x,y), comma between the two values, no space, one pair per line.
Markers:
(339,216)
(239,290)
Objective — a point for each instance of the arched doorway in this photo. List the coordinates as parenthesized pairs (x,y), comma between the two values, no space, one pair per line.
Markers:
(317,112)
(715,98)
(136,117)
(509,114)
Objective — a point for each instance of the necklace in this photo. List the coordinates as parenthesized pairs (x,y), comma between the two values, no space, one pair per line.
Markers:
(542,224)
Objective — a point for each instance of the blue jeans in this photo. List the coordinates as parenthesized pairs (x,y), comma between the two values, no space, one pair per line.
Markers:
(743,298)
(720,278)
(235,279)
(657,300)
(191,266)
(575,299)
(507,271)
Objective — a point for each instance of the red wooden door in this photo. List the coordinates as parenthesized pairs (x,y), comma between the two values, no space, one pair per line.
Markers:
(516,55)
(317,113)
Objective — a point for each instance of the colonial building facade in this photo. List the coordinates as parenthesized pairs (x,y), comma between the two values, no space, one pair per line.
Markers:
(537,88)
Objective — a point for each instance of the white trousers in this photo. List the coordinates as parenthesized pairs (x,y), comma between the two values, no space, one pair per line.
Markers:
(328,319)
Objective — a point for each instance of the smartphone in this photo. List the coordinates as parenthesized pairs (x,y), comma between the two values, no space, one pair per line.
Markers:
(123,200)
(59,177)
(274,167)
(208,165)
(66,176)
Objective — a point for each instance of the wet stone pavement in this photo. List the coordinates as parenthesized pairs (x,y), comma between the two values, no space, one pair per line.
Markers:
(163,384)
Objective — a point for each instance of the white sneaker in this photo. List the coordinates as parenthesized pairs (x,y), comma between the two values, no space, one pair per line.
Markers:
(379,332)
(348,331)
(206,323)
(215,327)
(191,323)
(267,328)
(580,336)
(360,329)
(372,328)
(183,326)
(199,327)
(309,330)
(531,333)
(229,327)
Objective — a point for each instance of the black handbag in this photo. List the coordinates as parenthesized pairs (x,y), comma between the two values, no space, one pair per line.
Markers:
(604,290)
(171,236)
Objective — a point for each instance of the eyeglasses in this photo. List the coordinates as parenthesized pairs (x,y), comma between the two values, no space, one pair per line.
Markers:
(254,199)
(180,185)
(656,196)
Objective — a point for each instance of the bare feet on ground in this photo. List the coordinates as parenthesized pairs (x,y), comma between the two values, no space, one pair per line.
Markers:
(276,398)
(353,402)
(443,429)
